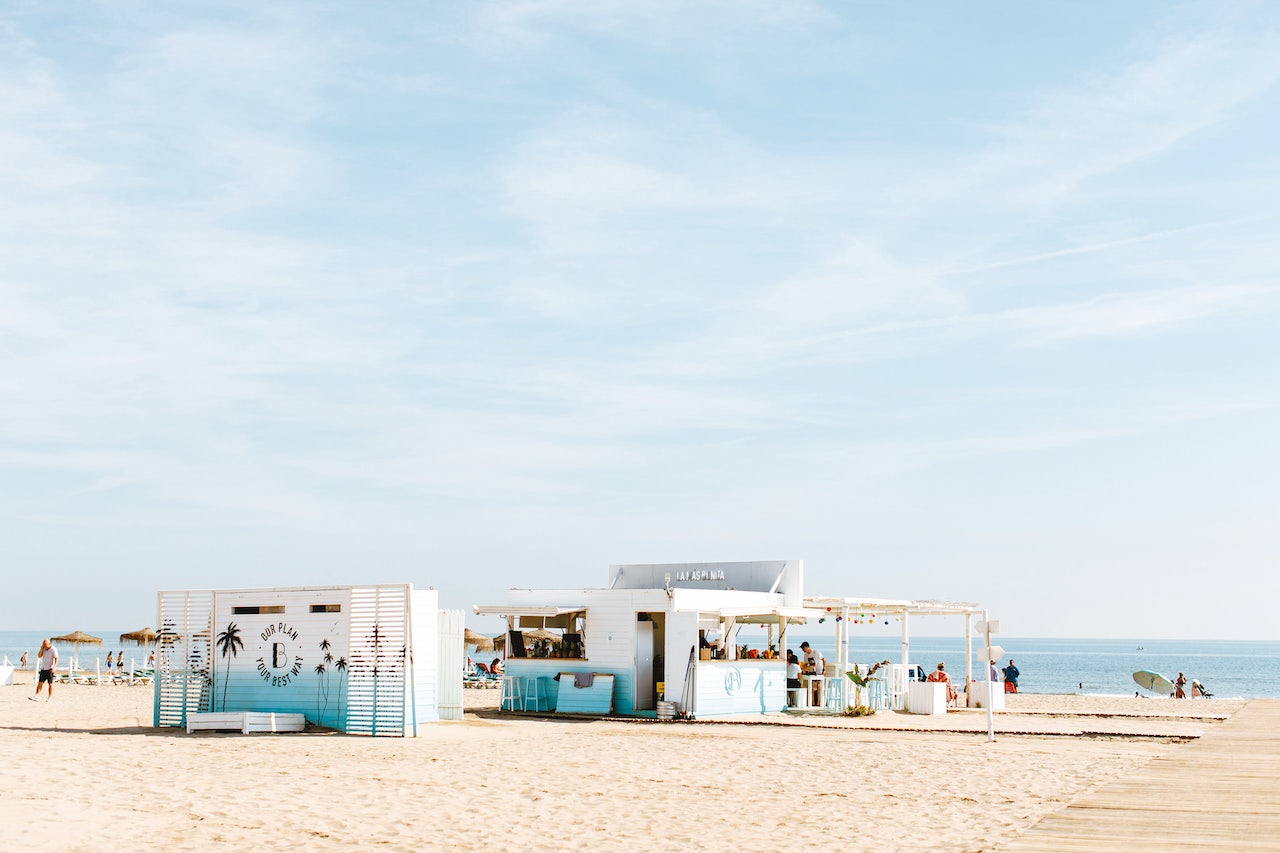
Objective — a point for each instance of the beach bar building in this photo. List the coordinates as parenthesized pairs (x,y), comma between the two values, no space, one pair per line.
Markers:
(668,632)
(359,659)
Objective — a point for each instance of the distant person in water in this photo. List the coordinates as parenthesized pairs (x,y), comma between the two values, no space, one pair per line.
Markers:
(1011,674)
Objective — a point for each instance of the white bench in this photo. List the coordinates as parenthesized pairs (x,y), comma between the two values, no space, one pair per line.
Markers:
(269,721)
(245,722)
(927,697)
(978,695)
(213,721)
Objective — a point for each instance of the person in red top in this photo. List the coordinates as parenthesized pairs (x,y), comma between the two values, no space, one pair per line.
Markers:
(940,674)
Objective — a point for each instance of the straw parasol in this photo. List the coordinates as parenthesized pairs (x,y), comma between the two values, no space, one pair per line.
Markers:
(480,641)
(77,639)
(140,637)
(533,634)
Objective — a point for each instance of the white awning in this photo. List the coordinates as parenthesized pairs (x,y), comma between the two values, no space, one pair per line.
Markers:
(757,613)
(893,605)
(524,610)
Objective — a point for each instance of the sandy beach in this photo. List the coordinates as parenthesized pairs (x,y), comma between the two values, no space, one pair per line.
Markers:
(87,771)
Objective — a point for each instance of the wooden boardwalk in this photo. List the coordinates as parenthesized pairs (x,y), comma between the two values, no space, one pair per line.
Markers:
(1221,792)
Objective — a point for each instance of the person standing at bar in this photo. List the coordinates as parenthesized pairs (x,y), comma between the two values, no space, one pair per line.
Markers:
(813,659)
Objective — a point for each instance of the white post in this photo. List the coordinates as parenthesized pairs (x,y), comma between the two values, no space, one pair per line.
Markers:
(842,659)
(905,639)
(97,668)
(991,723)
(131,671)
(968,657)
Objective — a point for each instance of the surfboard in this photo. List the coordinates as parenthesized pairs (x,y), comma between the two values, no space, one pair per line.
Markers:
(1153,681)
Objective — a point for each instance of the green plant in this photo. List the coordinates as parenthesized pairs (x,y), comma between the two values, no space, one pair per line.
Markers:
(859,711)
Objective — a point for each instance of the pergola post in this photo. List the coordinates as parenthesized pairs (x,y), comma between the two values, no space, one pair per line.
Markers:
(968,656)
(906,638)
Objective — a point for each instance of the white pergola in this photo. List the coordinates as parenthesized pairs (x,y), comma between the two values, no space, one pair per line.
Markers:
(902,609)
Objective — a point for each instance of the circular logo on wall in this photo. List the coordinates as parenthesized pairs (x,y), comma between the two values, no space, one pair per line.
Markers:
(281,659)
(733,681)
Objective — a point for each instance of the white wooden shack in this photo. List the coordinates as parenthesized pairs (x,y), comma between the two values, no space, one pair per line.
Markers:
(659,632)
(359,659)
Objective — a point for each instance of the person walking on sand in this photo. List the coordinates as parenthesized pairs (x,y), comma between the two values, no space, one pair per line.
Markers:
(46,660)
(1179,687)
(23,663)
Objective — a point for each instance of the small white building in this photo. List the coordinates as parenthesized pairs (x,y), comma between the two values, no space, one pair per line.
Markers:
(701,635)
(359,659)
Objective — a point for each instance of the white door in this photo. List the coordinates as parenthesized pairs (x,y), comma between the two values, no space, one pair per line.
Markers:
(645,700)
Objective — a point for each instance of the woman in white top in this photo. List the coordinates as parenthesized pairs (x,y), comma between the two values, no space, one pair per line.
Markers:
(793,671)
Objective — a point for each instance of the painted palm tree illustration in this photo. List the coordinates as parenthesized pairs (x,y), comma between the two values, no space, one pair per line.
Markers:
(341,666)
(321,691)
(328,659)
(322,685)
(229,644)
(376,637)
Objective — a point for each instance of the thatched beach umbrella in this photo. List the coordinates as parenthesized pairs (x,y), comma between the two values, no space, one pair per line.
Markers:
(77,639)
(541,634)
(140,637)
(475,638)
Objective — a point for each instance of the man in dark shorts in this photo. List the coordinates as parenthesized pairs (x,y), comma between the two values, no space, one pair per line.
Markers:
(46,660)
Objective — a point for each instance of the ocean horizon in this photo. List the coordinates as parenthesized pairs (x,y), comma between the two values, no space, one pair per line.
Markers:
(1229,669)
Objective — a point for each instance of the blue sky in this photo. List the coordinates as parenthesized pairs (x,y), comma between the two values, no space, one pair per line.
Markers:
(961,301)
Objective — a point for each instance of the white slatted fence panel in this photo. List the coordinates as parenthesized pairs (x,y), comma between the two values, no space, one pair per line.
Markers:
(376,665)
(184,656)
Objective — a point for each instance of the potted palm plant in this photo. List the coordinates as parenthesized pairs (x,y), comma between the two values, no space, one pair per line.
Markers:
(861,707)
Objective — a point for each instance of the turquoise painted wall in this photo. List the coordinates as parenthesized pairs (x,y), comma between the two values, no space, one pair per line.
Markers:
(547,669)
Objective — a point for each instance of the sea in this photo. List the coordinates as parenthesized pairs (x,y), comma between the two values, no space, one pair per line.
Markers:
(14,643)
(1227,668)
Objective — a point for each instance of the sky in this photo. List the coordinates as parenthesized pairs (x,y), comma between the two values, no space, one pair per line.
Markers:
(974,302)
